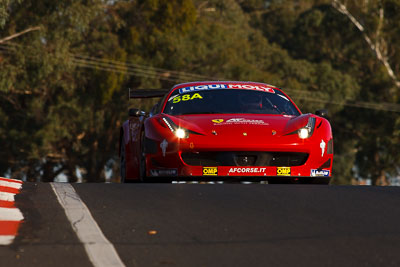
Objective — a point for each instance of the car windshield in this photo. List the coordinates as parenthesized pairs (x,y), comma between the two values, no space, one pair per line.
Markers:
(229,101)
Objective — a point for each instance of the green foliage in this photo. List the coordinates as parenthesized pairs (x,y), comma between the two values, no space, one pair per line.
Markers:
(5,6)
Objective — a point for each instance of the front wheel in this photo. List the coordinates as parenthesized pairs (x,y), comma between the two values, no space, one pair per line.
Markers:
(322,180)
(142,168)
(299,180)
(122,166)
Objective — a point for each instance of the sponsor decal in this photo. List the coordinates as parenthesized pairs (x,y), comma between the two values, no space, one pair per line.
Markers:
(322,145)
(163,172)
(202,87)
(273,132)
(239,121)
(251,87)
(247,170)
(315,172)
(226,86)
(186,97)
(210,171)
(164,145)
(283,171)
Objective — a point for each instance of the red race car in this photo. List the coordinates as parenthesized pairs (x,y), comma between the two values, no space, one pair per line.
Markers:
(225,131)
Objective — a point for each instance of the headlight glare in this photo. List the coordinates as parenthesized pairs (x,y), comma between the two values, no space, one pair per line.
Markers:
(308,130)
(181,133)
(178,132)
(303,133)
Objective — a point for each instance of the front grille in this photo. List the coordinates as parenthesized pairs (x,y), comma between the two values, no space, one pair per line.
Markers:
(256,158)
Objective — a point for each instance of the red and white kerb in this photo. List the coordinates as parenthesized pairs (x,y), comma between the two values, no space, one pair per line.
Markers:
(10,216)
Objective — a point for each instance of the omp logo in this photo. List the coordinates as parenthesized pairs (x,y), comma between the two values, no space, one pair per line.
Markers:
(283,171)
(218,120)
(210,171)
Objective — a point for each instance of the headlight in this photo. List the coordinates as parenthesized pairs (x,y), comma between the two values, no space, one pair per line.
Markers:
(303,133)
(308,130)
(179,132)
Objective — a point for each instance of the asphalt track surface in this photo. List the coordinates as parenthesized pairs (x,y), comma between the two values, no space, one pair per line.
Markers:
(215,225)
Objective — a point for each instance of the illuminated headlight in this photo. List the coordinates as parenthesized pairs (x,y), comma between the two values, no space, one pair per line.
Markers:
(181,133)
(308,130)
(303,133)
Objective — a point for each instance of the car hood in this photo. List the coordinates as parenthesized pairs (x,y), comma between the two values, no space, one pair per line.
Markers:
(252,124)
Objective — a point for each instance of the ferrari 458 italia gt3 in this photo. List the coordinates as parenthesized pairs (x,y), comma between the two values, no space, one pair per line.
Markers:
(225,131)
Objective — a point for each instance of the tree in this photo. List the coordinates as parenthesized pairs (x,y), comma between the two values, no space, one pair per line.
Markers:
(313,32)
(38,86)
(63,88)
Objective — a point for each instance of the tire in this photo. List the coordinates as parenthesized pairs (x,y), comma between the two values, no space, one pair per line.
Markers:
(324,180)
(122,166)
(276,180)
(313,180)
(142,168)
(302,180)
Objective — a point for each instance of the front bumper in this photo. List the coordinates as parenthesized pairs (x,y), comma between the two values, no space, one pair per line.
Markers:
(170,164)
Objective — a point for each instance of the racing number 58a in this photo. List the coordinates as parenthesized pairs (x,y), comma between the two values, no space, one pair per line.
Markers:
(186,97)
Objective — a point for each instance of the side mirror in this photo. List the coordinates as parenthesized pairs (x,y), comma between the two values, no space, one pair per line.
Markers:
(322,113)
(134,112)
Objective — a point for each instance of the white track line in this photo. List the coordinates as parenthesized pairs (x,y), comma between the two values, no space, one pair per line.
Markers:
(100,251)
